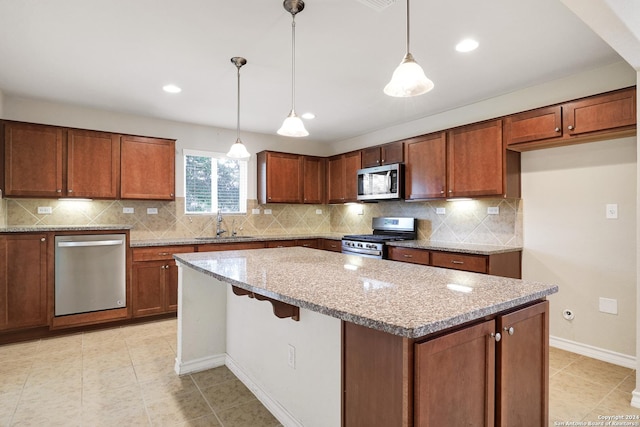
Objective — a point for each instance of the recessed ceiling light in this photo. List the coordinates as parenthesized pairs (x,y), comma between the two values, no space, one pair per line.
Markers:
(308,116)
(467,45)
(171,89)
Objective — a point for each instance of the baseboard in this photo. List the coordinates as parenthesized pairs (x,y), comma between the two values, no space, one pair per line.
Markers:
(198,365)
(595,353)
(277,410)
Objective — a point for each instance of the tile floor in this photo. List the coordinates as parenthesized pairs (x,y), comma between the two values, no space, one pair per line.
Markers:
(118,377)
(125,377)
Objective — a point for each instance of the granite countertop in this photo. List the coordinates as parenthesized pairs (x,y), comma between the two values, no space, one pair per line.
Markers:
(403,299)
(49,228)
(468,248)
(176,241)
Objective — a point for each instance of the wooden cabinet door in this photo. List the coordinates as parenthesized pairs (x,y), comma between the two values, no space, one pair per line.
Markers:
(313,179)
(147,168)
(335,179)
(352,162)
(279,177)
(23,281)
(33,160)
(93,164)
(455,379)
(475,263)
(371,157)
(148,288)
(391,153)
(331,245)
(425,167)
(475,160)
(171,286)
(535,125)
(522,382)
(601,112)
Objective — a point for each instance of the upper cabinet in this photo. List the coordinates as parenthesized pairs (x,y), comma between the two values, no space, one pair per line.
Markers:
(610,114)
(52,161)
(147,168)
(342,183)
(383,154)
(425,168)
(48,161)
(290,178)
(475,160)
(468,161)
(93,164)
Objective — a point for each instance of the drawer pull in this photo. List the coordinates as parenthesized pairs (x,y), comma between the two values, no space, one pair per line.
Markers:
(163,253)
(453,261)
(407,256)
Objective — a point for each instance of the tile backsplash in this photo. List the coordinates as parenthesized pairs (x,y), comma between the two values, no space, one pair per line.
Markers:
(444,221)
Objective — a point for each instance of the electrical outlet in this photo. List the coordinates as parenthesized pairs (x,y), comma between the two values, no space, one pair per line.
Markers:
(152,211)
(612,211)
(318,211)
(255,211)
(127,210)
(45,210)
(493,210)
(441,211)
(291,356)
(267,211)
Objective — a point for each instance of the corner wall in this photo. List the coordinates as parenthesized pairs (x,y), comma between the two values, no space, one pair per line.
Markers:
(568,240)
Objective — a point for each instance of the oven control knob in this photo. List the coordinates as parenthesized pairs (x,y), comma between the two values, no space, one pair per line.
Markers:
(359,245)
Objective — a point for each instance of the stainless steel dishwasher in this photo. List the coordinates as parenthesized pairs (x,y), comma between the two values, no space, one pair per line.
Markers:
(90,273)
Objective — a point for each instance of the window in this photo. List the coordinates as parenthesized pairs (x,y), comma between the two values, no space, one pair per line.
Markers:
(214,183)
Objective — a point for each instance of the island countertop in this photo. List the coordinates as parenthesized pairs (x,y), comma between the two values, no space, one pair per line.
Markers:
(403,299)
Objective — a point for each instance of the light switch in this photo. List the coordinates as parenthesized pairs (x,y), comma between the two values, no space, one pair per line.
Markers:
(152,211)
(267,211)
(127,210)
(493,210)
(318,211)
(441,211)
(612,211)
(255,211)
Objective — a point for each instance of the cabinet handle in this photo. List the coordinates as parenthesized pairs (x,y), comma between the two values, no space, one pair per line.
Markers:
(162,267)
(58,191)
(306,245)
(557,129)
(407,256)
(171,195)
(167,266)
(43,239)
(450,191)
(453,261)
(509,330)
(497,336)
(571,127)
(163,253)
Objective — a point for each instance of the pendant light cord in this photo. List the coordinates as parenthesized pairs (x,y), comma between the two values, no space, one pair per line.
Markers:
(408,32)
(293,63)
(238,112)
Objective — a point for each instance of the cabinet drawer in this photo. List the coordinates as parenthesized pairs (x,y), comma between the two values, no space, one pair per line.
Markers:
(331,245)
(281,244)
(415,256)
(159,253)
(308,243)
(476,263)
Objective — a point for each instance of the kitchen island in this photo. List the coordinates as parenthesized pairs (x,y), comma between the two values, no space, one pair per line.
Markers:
(361,341)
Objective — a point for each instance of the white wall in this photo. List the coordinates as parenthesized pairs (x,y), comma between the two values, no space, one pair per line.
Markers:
(568,240)
(187,135)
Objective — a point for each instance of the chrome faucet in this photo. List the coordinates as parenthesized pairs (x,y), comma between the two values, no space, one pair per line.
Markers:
(219,230)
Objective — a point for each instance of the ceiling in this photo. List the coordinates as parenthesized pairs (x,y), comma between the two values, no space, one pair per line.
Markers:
(117,55)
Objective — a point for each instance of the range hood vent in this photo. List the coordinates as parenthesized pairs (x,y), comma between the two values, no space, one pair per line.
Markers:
(377,5)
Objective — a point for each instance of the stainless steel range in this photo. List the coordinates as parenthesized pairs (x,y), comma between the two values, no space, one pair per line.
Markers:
(385,229)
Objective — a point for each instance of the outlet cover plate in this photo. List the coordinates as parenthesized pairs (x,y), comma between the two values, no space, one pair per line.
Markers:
(493,210)
(45,210)
(608,305)
(152,211)
(128,210)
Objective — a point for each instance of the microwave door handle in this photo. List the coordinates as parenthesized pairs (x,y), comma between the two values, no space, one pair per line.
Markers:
(389,182)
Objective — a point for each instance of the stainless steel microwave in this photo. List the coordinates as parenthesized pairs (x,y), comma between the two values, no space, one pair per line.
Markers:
(381,182)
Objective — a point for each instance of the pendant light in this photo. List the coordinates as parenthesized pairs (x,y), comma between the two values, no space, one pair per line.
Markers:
(292,125)
(409,78)
(238,150)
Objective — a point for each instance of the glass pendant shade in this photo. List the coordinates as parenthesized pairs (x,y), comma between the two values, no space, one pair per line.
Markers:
(293,126)
(409,78)
(238,151)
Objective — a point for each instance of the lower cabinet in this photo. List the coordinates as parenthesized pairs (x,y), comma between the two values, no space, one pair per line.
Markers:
(23,281)
(155,280)
(493,373)
(330,245)
(507,264)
